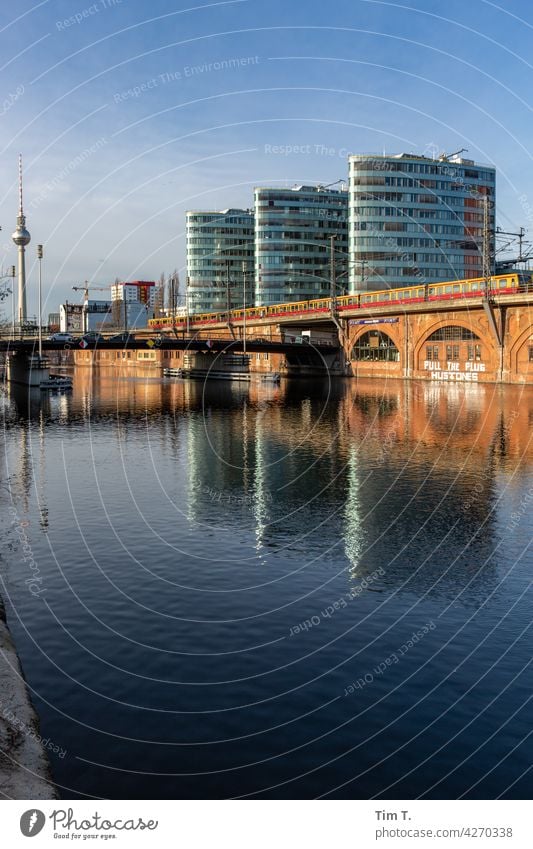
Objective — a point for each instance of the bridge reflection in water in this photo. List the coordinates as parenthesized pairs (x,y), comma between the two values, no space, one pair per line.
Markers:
(191,529)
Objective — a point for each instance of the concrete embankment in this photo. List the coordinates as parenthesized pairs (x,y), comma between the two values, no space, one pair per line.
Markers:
(24,765)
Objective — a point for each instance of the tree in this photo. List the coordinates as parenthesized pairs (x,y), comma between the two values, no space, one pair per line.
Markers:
(173,291)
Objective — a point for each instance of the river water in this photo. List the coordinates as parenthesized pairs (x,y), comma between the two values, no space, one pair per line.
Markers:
(297,591)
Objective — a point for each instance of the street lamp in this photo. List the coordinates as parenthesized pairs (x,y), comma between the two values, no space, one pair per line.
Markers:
(244,305)
(13,275)
(40,258)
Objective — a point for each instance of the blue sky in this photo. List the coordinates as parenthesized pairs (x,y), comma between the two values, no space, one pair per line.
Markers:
(128,113)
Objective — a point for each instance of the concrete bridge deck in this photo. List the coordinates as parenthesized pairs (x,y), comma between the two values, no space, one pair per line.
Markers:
(146,342)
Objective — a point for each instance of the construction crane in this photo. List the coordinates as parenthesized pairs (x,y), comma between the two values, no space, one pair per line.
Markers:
(85,289)
(445,157)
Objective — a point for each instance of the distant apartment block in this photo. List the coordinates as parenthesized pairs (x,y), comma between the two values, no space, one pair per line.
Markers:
(413,219)
(220,259)
(292,242)
(132,303)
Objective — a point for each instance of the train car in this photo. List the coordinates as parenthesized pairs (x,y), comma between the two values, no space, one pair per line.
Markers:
(348,302)
(501,284)
(456,289)
(510,284)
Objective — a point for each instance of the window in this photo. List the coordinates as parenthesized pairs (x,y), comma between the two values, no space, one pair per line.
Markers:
(474,353)
(452,333)
(375,345)
(432,352)
(531,353)
(452,353)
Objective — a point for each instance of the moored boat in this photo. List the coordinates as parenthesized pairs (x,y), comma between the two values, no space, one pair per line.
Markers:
(56,381)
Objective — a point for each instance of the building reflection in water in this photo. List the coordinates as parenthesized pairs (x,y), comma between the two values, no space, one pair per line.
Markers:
(354,534)
(310,467)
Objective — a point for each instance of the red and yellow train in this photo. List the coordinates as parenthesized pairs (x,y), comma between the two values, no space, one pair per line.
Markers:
(502,284)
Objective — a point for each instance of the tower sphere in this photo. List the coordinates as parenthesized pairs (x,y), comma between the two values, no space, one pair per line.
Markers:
(21,236)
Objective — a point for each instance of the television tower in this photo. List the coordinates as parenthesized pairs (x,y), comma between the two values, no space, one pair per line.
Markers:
(21,238)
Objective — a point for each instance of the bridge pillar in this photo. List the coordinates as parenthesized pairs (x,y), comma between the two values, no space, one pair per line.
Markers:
(409,350)
(27,369)
(505,371)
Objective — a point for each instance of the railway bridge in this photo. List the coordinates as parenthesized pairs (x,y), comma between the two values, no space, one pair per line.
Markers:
(467,340)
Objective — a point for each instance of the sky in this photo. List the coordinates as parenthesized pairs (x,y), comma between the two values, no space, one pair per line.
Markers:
(128,113)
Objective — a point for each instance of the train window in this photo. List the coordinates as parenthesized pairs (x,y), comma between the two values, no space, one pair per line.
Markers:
(448,290)
(419,293)
(385,296)
(366,299)
(456,287)
(502,284)
(431,290)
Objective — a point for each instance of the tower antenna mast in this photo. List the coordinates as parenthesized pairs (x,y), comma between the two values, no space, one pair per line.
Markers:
(21,238)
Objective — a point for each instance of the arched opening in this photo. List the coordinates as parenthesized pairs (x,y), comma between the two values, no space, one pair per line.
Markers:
(453,344)
(375,346)
(522,354)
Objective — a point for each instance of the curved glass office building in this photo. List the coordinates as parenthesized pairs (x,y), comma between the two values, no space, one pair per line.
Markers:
(292,242)
(413,219)
(220,259)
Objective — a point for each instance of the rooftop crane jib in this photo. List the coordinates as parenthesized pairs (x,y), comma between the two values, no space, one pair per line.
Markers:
(85,289)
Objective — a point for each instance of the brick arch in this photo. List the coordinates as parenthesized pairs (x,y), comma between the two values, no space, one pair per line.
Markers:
(383,328)
(517,345)
(447,322)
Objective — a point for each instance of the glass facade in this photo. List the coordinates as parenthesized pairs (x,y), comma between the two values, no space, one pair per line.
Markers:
(220,259)
(292,242)
(416,220)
